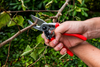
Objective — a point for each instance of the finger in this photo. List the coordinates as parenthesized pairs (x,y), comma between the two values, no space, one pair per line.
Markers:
(63,51)
(53,43)
(58,47)
(43,36)
(60,29)
(46,40)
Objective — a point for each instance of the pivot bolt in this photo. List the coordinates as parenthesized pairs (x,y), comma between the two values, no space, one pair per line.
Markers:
(44,28)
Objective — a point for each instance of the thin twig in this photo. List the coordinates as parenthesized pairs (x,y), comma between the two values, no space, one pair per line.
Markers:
(18,33)
(59,12)
(39,57)
(73,8)
(14,20)
(35,11)
(8,53)
(45,59)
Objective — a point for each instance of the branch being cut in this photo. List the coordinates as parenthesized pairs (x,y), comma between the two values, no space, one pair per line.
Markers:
(59,11)
(18,33)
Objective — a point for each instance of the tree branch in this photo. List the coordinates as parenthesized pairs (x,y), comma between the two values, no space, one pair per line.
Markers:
(59,11)
(34,11)
(18,33)
(8,53)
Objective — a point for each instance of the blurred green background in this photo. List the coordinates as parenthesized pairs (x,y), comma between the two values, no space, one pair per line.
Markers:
(29,46)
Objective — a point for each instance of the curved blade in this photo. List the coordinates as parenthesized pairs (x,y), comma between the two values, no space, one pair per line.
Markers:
(36,27)
(39,22)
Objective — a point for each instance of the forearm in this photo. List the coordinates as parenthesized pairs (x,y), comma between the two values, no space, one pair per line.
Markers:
(88,53)
(93,27)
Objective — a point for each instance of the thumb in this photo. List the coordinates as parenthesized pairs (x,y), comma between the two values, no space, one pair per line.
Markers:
(59,31)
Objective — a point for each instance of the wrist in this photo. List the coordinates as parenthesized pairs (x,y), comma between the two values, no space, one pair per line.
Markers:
(93,28)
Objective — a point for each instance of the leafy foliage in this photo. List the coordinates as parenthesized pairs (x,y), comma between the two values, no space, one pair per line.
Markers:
(29,46)
(3,16)
(16,20)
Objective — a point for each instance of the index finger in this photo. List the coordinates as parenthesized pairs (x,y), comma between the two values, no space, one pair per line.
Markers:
(46,40)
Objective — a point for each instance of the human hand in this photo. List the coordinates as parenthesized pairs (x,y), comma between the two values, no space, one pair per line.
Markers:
(68,41)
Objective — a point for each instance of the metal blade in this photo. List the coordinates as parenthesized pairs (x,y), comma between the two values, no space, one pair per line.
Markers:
(36,27)
(39,22)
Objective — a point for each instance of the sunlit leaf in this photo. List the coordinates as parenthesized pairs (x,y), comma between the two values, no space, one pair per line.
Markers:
(80,1)
(4,18)
(23,6)
(39,39)
(27,50)
(17,20)
(77,9)
(47,65)
(33,55)
(40,50)
(48,4)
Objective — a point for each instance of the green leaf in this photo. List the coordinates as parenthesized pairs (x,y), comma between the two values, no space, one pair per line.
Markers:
(33,55)
(39,39)
(27,50)
(78,9)
(47,65)
(70,6)
(20,20)
(4,18)
(15,6)
(80,1)
(40,50)
(74,13)
(85,9)
(17,20)
(85,14)
(12,22)
(67,17)
(12,4)
(78,18)
(23,6)
(48,4)
(19,7)
(82,12)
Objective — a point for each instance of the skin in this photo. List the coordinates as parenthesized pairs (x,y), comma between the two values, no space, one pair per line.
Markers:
(89,28)
(88,54)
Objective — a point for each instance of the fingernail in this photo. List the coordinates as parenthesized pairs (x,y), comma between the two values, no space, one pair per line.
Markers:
(54,42)
(60,45)
(65,51)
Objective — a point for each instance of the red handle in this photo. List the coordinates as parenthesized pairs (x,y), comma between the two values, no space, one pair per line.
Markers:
(68,51)
(76,35)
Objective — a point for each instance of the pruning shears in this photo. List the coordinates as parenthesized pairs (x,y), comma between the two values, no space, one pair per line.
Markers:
(47,29)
